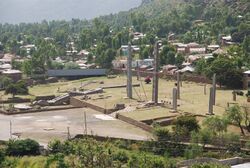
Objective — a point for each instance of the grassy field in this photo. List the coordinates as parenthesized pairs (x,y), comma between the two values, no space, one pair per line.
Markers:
(192,99)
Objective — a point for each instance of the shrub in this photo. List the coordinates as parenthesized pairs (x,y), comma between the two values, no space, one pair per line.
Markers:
(121,156)
(162,134)
(247,145)
(22,147)
(185,125)
(55,146)
(193,151)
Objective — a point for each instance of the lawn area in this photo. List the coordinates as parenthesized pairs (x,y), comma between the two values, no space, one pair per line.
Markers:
(149,113)
(192,99)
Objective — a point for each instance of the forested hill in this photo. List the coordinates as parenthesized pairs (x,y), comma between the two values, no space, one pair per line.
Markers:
(178,16)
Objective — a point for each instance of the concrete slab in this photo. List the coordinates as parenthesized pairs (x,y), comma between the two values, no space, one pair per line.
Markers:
(35,125)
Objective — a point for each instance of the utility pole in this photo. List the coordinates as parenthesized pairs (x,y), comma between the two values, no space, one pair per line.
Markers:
(10,129)
(85,124)
(155,73)
(129,72)
(68,132)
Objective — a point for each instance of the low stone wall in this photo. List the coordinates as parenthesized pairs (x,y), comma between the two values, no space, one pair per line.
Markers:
(230,161)
(16,101)
(135,123)
(49,97)
(81,103)
(184,77)
(150,121)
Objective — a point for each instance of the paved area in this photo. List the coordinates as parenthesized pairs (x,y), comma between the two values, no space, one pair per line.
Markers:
(245,165)
(46,126)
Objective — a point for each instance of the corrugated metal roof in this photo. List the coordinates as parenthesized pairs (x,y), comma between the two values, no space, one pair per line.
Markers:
(76,72)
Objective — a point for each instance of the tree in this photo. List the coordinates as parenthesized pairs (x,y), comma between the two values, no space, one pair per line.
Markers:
(179,60)
(71,65)
(235,116)
(226,72)
(105,60)
(17,88)
(22,147)
(27,67)
(5,81)
(215,124)
(204,137)
(56,65)
(184,125)
(167,56)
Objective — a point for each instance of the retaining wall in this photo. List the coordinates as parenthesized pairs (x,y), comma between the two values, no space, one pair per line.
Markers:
(229,161)
(81,103)
(135,122)
(164,75)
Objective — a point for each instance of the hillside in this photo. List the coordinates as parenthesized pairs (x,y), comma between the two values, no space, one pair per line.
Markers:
(163,16)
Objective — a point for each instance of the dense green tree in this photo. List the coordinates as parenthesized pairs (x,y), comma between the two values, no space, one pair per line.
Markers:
(17,88)
(71,65)
(215,124)
(22,147)
(235,116)
(226,72)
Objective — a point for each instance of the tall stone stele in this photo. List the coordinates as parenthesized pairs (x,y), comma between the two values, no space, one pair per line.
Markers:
(178,86)
(211,101)
(155,73)
(129,72)
(214,89)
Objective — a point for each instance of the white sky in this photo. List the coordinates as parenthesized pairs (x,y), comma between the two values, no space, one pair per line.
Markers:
(16,11)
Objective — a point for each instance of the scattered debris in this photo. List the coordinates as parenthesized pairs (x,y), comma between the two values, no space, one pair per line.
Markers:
(41,103)
(60,100)
(111,76)
(104,117)
(119,106)
(49,129)
(22,107)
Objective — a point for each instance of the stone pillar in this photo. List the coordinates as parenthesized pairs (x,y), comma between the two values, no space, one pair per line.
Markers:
(214,89)
(137,69)
(155,73)
(205,89)
(129,72)
(234,95)
(178,85)
(210,106)
(174,100)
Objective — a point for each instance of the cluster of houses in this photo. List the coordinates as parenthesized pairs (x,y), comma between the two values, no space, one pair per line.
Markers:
(6,68)
(191,51)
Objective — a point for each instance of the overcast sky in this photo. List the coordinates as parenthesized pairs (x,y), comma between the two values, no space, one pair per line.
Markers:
(16,11)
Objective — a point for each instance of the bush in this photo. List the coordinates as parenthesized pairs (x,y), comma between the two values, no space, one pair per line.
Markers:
(185,125)
(2,156)
(247,145)
(22,147)
(121,156)
(193,151)
(162,134)
(55,146)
